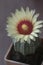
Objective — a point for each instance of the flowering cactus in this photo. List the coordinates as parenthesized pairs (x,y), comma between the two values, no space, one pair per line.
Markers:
(24,30)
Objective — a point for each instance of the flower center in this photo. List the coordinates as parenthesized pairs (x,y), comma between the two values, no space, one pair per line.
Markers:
(25,27)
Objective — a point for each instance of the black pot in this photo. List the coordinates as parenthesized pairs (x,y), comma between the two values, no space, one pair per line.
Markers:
(32,59)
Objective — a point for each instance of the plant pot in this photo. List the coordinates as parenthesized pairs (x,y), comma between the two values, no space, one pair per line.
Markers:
(7,57)
(35,59)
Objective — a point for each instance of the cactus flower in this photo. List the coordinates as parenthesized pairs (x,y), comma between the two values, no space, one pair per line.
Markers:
(23,25)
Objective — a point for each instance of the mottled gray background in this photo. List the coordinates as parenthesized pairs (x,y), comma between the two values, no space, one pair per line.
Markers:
(8,6)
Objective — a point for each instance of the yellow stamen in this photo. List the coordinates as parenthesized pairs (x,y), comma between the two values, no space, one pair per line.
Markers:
(24,27)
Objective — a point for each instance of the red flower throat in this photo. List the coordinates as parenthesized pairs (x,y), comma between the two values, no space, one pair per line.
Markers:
(25,27)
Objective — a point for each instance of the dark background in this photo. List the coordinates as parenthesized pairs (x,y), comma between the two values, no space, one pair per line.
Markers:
(8,6)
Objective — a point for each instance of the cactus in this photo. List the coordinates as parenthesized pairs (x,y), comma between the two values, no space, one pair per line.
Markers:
(23,25)
(26,48)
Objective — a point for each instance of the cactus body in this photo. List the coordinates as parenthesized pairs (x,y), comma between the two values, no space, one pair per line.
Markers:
(26,48)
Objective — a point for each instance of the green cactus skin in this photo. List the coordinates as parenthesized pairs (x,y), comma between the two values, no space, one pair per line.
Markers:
(26,48)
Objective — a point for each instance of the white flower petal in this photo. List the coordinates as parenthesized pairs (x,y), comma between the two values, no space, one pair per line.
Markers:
(28,40)
(22,10)
(32,12)
(17,11)
(9,20)
(14,40)
(34,34)
(27,9)
(25,37)
(32,37)
(35,18)
(38,23)
(10,26)
(36,27)
(22,41)
(36,31)
(12,33)
(17,38)
(29,14)
(9,34)
(18,14)
(12,14)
